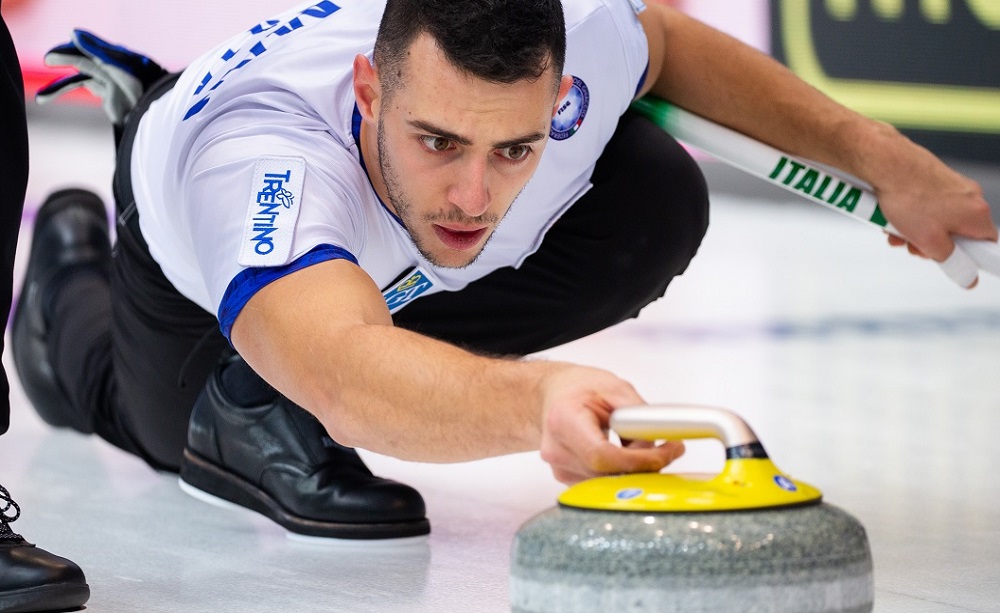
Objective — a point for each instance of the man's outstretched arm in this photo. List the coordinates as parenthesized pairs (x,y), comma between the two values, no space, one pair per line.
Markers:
(324,338)
(718,77)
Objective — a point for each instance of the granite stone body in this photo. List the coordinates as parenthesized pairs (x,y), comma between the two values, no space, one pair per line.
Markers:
(802,559)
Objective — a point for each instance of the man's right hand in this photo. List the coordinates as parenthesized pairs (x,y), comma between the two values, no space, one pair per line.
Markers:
(577,405)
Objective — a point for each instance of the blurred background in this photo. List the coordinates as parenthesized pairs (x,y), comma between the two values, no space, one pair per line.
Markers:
(929,67)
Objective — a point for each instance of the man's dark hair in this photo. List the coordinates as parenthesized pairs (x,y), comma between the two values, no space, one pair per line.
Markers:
(502,41)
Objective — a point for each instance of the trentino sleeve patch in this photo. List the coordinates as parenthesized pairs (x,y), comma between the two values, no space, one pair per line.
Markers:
(275,201)
(251,280)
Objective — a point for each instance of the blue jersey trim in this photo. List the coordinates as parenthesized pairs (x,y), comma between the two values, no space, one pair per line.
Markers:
(642,79)
(250,281)
(356,132)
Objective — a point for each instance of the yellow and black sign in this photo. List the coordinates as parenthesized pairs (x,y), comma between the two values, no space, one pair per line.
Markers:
(929,67)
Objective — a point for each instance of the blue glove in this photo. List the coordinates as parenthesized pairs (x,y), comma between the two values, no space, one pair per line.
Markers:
(116,75)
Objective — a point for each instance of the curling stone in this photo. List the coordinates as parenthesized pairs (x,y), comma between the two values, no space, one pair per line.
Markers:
(748,539)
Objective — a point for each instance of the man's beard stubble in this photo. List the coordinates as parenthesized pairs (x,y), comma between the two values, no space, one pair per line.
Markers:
(401,204)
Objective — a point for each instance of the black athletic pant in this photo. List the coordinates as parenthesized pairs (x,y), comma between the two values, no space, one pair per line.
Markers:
(612,253)
(13,182)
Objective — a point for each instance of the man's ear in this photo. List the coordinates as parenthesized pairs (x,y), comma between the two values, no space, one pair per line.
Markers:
(564,84)
(367,90)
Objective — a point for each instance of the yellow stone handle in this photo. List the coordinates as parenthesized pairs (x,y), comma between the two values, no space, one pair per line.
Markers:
(749,480)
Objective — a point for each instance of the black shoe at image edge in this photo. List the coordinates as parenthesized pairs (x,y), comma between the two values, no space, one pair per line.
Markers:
(31,578)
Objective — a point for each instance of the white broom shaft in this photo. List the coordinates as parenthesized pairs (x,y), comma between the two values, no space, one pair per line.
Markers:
(820,184)
(794,174)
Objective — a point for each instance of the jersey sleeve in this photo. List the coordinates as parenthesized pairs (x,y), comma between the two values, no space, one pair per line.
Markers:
(264,203)
(607,37)
(635,46)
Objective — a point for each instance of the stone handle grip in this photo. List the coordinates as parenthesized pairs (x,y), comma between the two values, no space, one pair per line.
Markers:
(670,421)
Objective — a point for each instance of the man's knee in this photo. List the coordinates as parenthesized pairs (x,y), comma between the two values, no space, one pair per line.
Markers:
(658,205)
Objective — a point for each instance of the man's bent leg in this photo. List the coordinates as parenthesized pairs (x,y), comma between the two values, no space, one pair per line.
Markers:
(612,253)
(104,343)
(60,329)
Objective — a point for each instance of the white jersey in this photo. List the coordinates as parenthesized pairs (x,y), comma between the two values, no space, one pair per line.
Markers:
(250,167)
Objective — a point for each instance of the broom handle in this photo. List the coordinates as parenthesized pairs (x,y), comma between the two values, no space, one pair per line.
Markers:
(826,186)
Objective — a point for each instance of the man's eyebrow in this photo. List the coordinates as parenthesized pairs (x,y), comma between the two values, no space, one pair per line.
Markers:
(462,140)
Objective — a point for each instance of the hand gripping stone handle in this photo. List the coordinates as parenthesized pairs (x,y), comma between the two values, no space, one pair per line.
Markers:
(683,421)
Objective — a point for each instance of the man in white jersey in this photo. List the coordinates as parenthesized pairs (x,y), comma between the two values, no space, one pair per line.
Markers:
(381,207)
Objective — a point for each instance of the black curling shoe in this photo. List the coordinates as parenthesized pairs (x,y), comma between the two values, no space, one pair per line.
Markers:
(32,579)
(277,459)
(70,236)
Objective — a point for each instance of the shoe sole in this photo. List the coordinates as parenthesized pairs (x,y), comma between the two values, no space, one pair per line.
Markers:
(396,544)
(65,597)
(202,476)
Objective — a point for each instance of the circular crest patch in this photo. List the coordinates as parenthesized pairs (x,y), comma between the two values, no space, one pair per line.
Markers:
(571,111)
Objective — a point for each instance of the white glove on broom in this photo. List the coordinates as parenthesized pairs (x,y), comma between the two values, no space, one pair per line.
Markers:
(116,75)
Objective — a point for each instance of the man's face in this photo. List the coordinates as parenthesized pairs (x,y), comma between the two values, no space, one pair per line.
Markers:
(454,151)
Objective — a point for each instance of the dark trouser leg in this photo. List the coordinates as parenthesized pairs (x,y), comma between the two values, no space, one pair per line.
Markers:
(132,353)
(164,348)
(14,162)
(164,345)
(612,253)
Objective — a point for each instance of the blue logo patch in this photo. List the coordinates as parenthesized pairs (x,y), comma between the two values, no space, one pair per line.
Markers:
(571,111)
(406,290)
(785,483)
(273,211)
(628,494)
